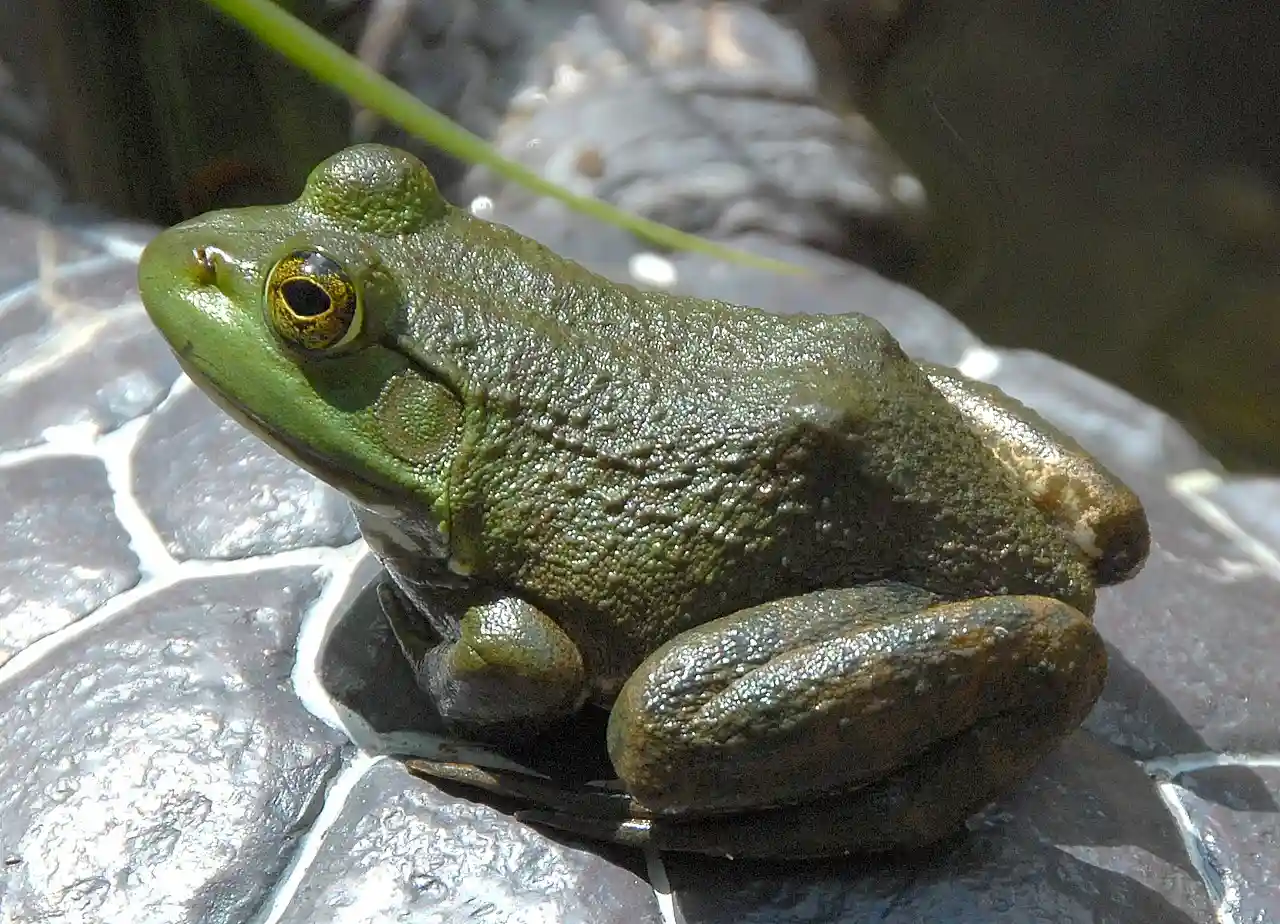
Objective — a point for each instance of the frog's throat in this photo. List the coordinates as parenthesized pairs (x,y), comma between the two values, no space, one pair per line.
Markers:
(356,486)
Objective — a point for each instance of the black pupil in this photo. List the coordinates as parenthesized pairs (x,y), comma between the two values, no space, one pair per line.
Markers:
(305,298)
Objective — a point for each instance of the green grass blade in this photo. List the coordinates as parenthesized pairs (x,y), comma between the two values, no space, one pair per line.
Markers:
(331,65)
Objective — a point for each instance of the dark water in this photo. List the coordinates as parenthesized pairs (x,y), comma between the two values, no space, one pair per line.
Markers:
(1107,180)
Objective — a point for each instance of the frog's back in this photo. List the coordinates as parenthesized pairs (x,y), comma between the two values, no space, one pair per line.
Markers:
(512,291)
(653,461)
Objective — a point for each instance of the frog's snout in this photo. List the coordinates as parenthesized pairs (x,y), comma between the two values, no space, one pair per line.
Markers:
(171,263)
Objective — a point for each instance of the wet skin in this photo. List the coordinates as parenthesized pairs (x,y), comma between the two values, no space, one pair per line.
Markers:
(835,599)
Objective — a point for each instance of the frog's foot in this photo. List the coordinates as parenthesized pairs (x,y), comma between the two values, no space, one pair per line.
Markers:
(593,803)
(595,812)
(924,803)
(862,719)
(913,808)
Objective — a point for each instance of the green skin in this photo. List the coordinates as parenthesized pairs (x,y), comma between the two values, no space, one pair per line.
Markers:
(836,600)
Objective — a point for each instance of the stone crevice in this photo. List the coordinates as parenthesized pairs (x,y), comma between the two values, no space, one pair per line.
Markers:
(334,798)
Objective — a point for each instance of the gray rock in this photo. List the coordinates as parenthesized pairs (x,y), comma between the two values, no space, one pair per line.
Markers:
(1232,809)
(157,765)
(53,327)
(187,459)
(401,850)
(47,583)
(705,117)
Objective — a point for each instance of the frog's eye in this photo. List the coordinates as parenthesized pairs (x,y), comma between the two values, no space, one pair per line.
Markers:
(313,304)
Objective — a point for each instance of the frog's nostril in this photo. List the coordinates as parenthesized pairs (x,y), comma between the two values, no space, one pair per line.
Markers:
(204,269)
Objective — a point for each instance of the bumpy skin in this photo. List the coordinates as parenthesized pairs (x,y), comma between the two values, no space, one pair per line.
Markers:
(808,576)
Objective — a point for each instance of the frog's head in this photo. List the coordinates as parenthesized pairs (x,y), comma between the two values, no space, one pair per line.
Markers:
(284,314)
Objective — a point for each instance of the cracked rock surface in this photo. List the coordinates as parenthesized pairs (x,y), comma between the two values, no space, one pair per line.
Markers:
(197,698)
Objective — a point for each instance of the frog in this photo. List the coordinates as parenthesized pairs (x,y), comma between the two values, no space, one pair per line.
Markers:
(833,599)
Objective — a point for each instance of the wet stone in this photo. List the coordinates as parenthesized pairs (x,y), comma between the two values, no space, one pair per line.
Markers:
(664,114)
(30,244)
(215,491)
(1194,642)
(63,553)
(402,848)
(1083,840)
(159,766)
(86,317)
(1253,504)
(1235,811)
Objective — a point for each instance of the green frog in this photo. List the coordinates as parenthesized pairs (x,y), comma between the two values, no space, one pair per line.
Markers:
(833,598)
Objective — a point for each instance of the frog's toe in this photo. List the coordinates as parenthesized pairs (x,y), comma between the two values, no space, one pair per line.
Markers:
(594,803)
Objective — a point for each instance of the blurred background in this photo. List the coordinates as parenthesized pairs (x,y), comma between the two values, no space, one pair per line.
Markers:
(1103,178)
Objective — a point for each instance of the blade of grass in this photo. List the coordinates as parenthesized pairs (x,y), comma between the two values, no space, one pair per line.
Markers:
(330,64)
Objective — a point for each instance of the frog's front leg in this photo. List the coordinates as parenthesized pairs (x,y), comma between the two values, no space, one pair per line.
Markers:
(508,674)
(852,719)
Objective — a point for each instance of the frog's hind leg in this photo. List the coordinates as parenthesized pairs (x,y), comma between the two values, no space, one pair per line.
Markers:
(1100,513)
(859,719)
(922,804)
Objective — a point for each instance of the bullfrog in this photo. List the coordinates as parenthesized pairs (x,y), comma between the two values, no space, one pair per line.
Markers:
(834,599)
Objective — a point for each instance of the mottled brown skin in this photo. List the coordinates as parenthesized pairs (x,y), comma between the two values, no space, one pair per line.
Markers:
(830,607)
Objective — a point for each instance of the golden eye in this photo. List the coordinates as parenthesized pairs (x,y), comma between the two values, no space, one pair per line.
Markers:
(312,302)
